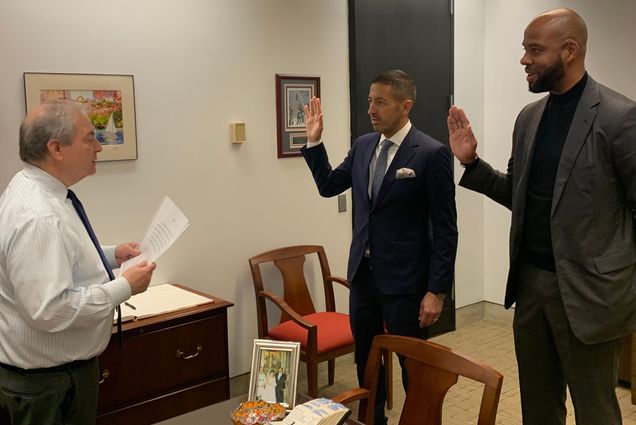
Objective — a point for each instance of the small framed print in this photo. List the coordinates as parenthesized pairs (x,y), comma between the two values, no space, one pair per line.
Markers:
(293,92)
(108,101)
(274,372)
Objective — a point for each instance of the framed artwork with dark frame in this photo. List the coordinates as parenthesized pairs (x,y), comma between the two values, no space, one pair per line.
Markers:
(274,372)
(293,92)
(108,100)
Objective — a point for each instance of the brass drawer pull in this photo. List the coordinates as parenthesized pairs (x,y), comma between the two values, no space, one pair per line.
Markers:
(191,356)
(105,374)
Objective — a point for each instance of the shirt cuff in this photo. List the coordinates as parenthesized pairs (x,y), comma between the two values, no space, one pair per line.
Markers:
(119,290)
(109,252)
(313,144)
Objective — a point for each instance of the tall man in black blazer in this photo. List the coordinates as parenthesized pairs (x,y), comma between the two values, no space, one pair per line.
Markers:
(571,186)
(402,255)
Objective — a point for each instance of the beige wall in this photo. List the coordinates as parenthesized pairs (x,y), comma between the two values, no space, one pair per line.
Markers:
(469,94)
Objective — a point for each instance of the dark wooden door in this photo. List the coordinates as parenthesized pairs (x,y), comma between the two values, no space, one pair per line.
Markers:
(415,36)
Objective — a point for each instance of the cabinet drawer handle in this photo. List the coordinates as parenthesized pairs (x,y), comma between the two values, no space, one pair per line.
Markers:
(180,354)
(105,374)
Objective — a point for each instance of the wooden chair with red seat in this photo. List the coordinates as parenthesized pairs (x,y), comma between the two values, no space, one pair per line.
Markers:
(324,335)
(431,369)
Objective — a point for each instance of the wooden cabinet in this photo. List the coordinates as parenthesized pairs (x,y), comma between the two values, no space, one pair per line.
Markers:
(169,364)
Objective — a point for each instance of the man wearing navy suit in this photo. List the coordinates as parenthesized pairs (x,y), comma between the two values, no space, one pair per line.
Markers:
(571,189)
(402,255)
(281,383)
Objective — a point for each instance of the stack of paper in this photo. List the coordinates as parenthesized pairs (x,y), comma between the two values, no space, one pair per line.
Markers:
(319,411)
(160,299)
(166,226)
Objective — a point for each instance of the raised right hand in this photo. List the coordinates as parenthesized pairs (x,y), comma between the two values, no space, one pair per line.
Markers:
(460,134)
(313,120)
(139,275)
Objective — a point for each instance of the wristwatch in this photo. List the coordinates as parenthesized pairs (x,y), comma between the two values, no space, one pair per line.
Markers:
(440,295)
(471,163)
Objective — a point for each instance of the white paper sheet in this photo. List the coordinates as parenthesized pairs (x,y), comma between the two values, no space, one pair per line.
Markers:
(166,226)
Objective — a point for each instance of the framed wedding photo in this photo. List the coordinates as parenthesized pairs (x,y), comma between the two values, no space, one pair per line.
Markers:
(107,100)
(293,92)
(274,372)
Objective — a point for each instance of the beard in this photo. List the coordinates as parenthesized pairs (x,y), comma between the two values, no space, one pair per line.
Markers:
(550,78)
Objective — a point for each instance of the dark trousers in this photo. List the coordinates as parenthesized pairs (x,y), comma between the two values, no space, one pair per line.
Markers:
(65,395)
(550,357)
(369,312)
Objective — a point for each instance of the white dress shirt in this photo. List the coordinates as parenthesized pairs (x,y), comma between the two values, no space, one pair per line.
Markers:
(56,300)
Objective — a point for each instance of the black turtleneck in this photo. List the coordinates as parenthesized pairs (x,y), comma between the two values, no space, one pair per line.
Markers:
(551,135)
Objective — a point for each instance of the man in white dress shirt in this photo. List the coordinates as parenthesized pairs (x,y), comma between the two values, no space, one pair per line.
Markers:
(56,297)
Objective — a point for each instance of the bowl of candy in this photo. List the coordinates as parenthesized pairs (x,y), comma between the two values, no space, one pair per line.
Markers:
(257,413)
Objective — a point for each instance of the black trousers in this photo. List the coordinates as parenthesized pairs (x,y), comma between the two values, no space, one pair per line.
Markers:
(550,357)
(370,311)
(64,395)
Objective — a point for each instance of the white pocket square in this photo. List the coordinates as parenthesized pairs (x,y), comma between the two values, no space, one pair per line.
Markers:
(404,173)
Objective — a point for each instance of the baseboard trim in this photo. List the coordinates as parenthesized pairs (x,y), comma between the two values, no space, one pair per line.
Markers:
(482,310)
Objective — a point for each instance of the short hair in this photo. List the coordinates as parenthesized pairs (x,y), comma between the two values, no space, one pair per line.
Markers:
(55,122)
(401,82)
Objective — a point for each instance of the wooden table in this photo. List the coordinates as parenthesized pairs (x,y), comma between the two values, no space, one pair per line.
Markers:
(219,413)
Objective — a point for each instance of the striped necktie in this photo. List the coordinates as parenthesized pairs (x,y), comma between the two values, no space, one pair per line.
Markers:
(380,168)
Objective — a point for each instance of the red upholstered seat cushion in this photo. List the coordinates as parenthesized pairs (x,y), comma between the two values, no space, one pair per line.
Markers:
(334,331)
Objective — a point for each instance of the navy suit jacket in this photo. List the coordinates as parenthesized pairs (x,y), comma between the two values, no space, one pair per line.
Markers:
(411,230)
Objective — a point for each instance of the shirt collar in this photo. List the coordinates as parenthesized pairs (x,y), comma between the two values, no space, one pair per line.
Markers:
(572,95)
(398,137)
(50,183)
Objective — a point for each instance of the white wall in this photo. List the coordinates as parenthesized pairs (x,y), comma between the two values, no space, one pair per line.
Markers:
(469,94)
(610,60)
(198,65)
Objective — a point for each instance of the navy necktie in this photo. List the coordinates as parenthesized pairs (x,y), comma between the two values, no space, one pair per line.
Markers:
(380,168)
(77,204)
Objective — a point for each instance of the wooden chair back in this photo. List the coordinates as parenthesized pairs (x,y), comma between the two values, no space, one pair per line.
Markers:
(290,261)
(431,370)
(324,335)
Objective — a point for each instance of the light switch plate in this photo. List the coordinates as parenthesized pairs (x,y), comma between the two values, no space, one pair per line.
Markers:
(342,203)
(237,130)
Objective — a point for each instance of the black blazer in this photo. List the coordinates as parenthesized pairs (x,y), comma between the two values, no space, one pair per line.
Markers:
(411,230)
(592,220)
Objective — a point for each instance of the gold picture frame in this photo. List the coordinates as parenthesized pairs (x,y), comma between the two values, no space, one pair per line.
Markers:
(108,100)
(274,372)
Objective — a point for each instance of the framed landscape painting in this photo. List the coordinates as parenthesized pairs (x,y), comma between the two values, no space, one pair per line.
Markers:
(107,100)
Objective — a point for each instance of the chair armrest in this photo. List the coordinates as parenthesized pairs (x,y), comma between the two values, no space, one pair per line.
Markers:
(330,300)
(351,396)
(287,309)
(338,279)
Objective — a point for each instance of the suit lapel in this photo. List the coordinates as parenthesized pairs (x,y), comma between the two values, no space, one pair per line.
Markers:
(528,144)
(367,156)
(579,129)
(402,157)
